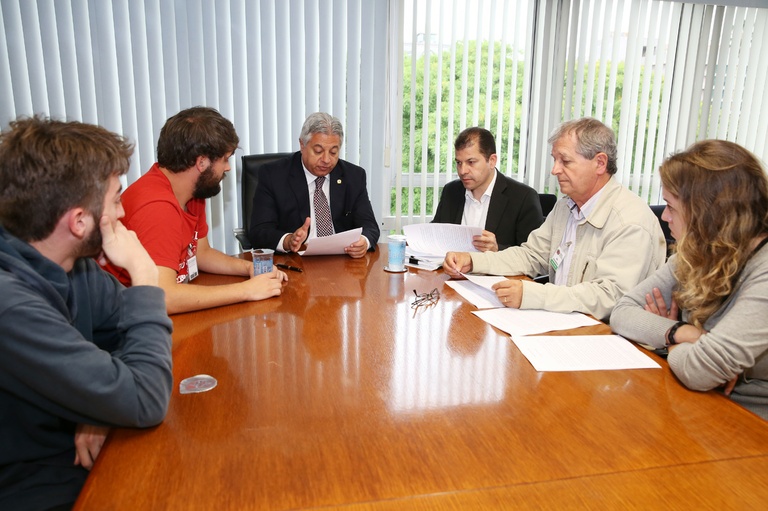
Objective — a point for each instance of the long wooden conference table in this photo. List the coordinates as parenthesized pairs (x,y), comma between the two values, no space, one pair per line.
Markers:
(339,395)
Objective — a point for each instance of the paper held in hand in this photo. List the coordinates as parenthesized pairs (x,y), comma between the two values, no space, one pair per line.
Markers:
(438,239)
(334,244)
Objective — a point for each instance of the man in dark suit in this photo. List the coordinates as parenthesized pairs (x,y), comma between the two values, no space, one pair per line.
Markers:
(313,193)
(484,197)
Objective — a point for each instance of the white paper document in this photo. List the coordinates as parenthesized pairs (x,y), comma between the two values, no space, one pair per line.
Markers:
(518,322)
(333,244)
(484,281)
(582,353)
(438,239)
(479,295)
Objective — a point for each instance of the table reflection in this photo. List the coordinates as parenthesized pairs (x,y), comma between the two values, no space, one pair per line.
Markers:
(273,352)
(435,368)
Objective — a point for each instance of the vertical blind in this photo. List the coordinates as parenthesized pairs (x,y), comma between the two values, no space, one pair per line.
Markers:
(688,73)
(662,74)
(404,76)
(265,65)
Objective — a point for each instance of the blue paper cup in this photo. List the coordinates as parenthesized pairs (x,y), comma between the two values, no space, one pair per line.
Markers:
(396,249)
(262,260)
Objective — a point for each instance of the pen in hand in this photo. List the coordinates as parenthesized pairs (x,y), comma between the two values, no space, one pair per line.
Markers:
(288,267)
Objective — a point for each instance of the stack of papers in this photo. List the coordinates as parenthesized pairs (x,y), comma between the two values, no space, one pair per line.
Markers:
(428,243)
(423,262)
(438,239)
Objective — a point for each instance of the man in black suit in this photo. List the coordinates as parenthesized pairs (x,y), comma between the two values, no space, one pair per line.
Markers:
(484,197)
(291,201)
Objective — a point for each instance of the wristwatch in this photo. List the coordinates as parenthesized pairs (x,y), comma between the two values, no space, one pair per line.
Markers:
(671,334)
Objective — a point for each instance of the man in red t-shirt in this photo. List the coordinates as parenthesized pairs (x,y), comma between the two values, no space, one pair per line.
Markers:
(166,209)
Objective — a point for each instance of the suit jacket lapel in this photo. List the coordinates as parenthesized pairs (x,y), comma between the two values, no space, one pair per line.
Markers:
(337,186)
(498,204)
(457,210)
(298,183)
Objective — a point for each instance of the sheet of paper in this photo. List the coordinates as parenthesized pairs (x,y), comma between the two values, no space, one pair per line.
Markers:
(582,353)
(533,321)
(437,239)
(485,281)
(479,296)
(332,244)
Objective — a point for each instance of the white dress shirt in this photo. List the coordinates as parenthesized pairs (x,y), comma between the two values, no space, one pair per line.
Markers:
(476,211)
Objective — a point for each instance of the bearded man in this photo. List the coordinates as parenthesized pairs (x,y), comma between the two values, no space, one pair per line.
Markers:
(166,209)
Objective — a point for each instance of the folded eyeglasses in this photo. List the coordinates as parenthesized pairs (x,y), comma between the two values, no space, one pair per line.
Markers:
(425,299)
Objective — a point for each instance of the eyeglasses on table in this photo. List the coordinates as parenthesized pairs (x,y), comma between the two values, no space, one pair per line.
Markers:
(425,299)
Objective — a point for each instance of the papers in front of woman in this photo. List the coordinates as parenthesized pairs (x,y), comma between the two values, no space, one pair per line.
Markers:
(582,353)
(550,353)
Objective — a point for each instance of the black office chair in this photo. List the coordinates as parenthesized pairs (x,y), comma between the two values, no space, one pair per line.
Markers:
(658,209)
(251,165)
(548,201)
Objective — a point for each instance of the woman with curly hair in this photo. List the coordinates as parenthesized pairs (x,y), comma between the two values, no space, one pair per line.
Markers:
(709,304)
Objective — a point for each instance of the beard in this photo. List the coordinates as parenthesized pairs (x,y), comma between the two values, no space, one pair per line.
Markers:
(207,184)
(91,246)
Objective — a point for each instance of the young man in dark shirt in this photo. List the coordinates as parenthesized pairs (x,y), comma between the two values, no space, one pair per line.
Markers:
(79,352)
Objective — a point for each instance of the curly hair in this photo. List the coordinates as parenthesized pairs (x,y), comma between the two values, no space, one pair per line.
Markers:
(723,195)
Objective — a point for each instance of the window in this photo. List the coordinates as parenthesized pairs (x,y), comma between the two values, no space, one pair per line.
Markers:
(472,70)
(662,74)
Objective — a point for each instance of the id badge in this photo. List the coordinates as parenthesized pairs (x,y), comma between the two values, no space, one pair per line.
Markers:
(192,268)
(557,258)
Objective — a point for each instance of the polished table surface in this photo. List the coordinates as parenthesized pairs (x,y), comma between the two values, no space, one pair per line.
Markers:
(339,395)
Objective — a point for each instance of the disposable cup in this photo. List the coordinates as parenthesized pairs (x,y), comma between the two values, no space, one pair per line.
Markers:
(262,260)
(396,249)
